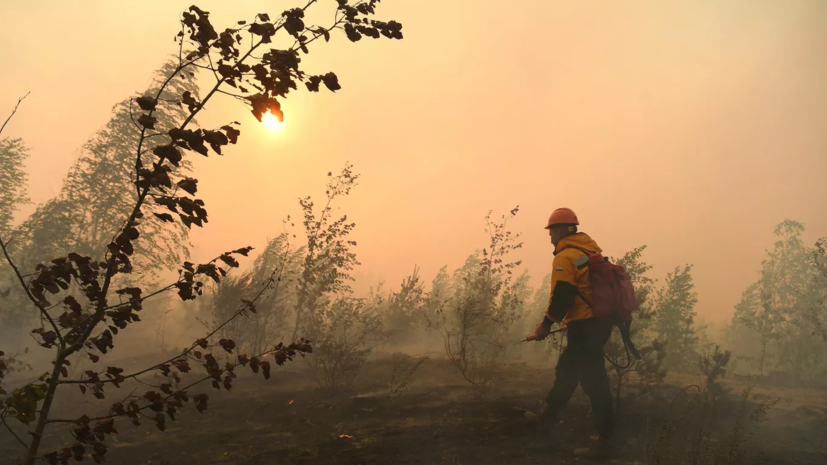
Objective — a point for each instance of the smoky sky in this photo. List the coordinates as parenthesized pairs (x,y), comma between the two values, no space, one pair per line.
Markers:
(691,127)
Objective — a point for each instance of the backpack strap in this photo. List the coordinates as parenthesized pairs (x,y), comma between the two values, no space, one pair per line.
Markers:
(581,266)
(624,328)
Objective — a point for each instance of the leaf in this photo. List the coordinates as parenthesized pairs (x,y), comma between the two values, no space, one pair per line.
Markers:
(190,101)
(190,185)
(313,83)
(73,304)
(168,152)
(331,82)
(243,251)
(148,122)
(227,344)
(201,402)
(164,217)
(232,133)
(229,260)
(146,103)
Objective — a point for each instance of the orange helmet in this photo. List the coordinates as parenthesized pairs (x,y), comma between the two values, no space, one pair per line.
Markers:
(562,216)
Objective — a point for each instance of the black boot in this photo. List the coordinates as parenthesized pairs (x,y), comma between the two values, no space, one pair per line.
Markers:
(545,418)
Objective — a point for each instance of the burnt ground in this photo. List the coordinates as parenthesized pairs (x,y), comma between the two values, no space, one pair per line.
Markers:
(439,420)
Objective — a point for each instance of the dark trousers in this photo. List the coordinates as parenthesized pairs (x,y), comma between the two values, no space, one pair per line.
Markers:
(582,363)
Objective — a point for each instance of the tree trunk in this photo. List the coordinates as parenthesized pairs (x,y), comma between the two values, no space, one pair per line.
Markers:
(37,435)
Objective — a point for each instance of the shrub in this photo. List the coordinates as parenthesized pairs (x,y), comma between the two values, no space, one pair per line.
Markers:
(482,305)
(343,334)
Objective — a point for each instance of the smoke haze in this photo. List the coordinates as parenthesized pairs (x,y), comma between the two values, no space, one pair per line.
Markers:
(691,127)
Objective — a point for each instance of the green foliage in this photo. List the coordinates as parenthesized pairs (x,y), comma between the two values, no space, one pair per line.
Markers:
(99,190)
(674,318)
(535,311)
(405,311)
(328,257)
(437,298)
(22,403)
(649,369)
(484,302)
(254,332)
(780,315)
(97,194)
(712,363)
(344,334)
(13,178)
(818,307)
(519,297)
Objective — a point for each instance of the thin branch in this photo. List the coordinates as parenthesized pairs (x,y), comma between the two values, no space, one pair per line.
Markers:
(13,111)
(159,291)
(212,68)
(240,97)
(157,134)
(195,383)
(238,313)
(22,443)
(181,46)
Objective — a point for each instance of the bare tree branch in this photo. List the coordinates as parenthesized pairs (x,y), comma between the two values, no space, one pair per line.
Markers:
(243,307)
(3,421)
(13,111)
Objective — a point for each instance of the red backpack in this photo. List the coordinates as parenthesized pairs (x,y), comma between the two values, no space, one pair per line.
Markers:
(613,296)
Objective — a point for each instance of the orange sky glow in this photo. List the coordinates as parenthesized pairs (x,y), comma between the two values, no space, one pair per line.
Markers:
(691,127)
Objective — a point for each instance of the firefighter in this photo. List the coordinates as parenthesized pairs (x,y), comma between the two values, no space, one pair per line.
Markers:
(581,362)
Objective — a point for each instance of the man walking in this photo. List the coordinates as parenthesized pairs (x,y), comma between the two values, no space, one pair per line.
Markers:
(581,362)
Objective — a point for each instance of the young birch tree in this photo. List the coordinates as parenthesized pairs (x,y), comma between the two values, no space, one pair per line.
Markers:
(247,67)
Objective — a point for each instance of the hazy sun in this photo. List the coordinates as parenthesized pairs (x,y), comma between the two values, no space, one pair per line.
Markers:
(270,121)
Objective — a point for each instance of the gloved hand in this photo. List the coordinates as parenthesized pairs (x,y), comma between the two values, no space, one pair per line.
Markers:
(542,332)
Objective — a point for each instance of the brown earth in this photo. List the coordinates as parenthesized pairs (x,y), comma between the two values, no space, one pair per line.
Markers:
(439,420)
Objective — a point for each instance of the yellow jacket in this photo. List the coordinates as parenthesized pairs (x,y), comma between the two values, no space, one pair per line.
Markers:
(571,267)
